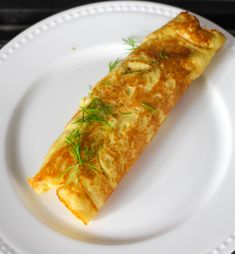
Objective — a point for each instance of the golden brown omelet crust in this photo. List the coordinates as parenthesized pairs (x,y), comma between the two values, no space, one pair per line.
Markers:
(142,90)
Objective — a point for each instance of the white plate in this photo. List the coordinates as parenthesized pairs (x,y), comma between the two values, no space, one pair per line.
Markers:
(178,198)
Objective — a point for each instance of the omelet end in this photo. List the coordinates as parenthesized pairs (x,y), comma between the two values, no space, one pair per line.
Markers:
(188,27)
(38,186)
(218,39)
(78,203)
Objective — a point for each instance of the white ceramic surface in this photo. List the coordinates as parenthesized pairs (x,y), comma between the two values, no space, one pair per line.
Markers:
(178,198)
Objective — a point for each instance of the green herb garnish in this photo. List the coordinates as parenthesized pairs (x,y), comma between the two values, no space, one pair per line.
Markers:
(73,173)
(96,111)
(148,106)
(82,154)
(73,176)
(73,167)
(163,55)
(88,154)
(113,64)
(131,43)
(74,141)
(94,168)
(126,113)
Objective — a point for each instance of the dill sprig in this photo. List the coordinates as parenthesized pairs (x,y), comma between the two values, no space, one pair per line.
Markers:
(72,177)
(148,106)
(113,64)
(94,168)
(96,111)
(163,55)
(74,142)
(131,43)
(126,113)
(70,168)
(82,153)
(73,174)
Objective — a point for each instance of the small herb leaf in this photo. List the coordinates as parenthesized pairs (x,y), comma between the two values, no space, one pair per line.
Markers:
(113,64)
(163,55)
(96,111)
(131,43)
(148,106)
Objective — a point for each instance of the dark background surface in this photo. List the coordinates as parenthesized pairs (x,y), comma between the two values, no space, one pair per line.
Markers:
(17,15)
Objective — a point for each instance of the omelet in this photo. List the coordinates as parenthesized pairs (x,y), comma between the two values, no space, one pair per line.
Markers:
(122,113)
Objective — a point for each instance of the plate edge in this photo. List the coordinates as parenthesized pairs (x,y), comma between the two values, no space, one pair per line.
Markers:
(90,10)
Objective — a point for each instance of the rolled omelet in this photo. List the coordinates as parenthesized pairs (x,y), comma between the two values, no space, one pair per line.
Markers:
(122,113)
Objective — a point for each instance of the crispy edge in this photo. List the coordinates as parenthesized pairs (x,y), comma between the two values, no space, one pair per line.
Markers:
(86,212)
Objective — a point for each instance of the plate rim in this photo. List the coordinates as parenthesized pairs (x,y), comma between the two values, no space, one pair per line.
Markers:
(89,10)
